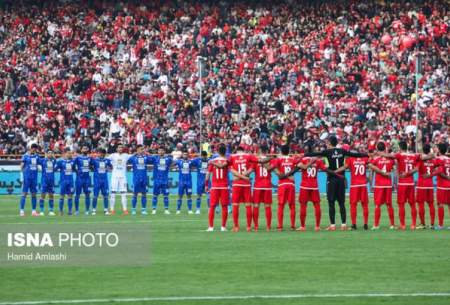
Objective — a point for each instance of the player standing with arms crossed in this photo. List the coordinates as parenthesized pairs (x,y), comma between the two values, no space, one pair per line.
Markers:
(139,163)
(83,180)
(119,162)
(219,188)
(161,167)
(29,168)
(425,188)
(202,168)
(185,167)
(66,167)
(101,166)
(48,165)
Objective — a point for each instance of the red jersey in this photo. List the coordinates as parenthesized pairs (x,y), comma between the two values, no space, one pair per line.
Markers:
(309,175)
(240,163)
(219,178)
(405,163)
(385,165)
(425,168)
(444,167)
(263,178)
(358,170)
(285,164)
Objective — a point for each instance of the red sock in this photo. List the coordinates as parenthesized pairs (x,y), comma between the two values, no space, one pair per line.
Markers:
(422,212)
(236,215)
(432,212)
(413,213)
(292,214)
(401,213)
(212,210)
(317,213)
(248,213)
(224,215)
(280,215)
(303,207)
(391,214)
(269,216)
(365,207)
(441,215)
(377,216)
(353,212)
(255,214)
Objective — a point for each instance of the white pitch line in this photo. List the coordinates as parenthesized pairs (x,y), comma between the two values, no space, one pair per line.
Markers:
(237,297)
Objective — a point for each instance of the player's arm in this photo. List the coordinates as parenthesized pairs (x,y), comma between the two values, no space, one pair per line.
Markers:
(341,169)
(379,171)
(323,153)
(371,179)
(220,165)
(411,172)
(239,175)
(207,179)
(349,153)
(425,157)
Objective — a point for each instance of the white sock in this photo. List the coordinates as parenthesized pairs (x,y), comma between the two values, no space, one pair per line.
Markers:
(112,201)
(124,201)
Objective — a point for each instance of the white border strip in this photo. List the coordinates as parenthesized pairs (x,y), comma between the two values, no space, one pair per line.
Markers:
(241,297)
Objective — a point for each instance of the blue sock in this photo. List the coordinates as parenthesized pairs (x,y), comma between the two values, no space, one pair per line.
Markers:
(134,201)
(199,203)
(166,202)
(69,204)
(50,204)
(61,204)
(105,202)
(144,201)
(189,204)
(94,202)
(179,201)
(154,202)
(22,202)
(87,202)
(77,202)
(33,202)
(41,205)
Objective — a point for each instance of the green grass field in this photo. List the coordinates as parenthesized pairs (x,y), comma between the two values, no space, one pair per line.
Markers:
(189,264)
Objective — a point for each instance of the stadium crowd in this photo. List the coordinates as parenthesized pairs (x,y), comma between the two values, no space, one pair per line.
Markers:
(101,72)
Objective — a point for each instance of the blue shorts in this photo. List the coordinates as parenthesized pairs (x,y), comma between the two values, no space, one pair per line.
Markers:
(66,187)
(185,188)
(140,186)
(82,185)
(29,186)
(160,188)
(48,187)
(101,186)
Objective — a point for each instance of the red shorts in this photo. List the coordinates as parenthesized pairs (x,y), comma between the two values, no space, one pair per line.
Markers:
(425,195)
(443,196)
(383,195)
(262,196)
(359,194)
(405,193)
(219,196)
(286,194)
(241,194)
(307,195)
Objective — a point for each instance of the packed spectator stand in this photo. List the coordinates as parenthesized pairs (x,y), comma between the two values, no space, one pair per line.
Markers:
(102,72)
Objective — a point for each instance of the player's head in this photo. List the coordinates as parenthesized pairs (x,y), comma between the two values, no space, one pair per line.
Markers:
(67,153)
(185,155)
(381,146)
(204,154)
(101,152)
(120,148)
(333,141)
(442,147)
(139,149)
(285,150)
(403,145)
(264,149)
(84,150)
(240,149)
(33,148)
(161,151)
(50,154)
(426,149)
(222,150)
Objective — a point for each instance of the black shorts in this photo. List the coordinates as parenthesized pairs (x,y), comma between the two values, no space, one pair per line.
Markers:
(336,189)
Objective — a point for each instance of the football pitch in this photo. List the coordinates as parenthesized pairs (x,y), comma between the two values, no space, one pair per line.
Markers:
(191,266)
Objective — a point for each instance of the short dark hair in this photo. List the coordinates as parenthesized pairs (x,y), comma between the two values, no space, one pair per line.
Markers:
(222,149)
(102,150)
(34,146)
(403,145)
(381,146)
(240,148)
(426,148)
(204,153)
(264,148)
(333,141)
(285,149)
(442,148)
(67,149)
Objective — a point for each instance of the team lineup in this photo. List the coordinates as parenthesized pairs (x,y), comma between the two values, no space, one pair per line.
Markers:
(381,170)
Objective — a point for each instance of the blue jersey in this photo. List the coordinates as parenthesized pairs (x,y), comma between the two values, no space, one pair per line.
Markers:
(202,169)
(66,168)
(48,166)
(101,167)
(161,168)
(184,171)
(139,164)
(82,166)
(30,167)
